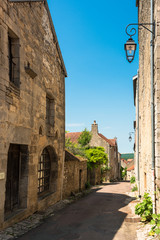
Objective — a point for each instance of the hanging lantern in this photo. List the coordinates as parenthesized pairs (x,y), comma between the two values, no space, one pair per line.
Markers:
(130,48)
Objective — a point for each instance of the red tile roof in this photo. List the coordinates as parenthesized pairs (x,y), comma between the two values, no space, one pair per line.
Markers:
(125,161)
(129,160)
(73,136)
(111,142)
(131,168)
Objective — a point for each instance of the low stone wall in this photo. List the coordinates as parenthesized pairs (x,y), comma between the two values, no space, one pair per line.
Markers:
(94,176)
(75,174)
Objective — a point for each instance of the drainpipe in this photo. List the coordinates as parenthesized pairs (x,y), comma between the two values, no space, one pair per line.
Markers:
(137,135)
(152,106)
(62,174)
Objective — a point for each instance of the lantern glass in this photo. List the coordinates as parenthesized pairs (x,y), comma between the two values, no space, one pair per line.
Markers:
(130,48)
(130,138)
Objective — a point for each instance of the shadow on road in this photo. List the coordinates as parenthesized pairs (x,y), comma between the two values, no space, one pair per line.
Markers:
(97,216)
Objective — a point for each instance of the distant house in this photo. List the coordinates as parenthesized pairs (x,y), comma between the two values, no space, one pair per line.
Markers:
(130,171)
(127,161)
(110,146)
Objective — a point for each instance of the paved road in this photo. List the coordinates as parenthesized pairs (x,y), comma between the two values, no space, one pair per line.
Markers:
(98,216)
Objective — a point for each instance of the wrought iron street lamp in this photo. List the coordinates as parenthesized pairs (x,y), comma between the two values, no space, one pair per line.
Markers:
(130,46)
(130,136)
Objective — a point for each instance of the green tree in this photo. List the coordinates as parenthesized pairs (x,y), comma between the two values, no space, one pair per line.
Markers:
(84,138)
(96,156)
(74,148)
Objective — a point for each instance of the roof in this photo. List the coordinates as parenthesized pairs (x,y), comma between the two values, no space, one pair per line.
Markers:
(127,156)
(123,160)
(129,160)
(131,168)
(71,157)
(111,142)
(52,28)
(73,136)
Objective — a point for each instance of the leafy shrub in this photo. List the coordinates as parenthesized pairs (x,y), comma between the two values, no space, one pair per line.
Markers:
(105,168)
(145,208)
(156,224)
(123,172)
(96,156)
(84,138)
(133,179)
(135,188)
(75,148)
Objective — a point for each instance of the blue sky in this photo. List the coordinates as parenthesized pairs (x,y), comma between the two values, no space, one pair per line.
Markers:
(99,86)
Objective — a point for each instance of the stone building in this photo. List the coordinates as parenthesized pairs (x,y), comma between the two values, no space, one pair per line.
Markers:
(110,146)
(75,174)
(32,110)
(147,149)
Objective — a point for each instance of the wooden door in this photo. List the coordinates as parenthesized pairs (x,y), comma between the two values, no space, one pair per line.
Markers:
(12,183)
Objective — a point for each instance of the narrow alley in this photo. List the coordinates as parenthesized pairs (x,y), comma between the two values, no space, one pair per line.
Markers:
(99,216)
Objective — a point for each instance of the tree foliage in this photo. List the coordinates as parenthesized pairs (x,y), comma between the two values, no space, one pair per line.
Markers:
(84,138)
(76,149)
(96,156)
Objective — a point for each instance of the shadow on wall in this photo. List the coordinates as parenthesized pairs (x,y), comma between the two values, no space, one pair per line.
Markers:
(97,216)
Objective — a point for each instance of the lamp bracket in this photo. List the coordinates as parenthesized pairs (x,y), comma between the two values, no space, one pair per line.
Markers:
(133,30)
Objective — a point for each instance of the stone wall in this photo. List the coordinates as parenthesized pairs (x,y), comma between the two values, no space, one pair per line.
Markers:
(23,107)
(75,174)
(94,176)
(145,139)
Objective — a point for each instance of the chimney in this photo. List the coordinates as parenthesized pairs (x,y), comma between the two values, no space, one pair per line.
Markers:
(94,128)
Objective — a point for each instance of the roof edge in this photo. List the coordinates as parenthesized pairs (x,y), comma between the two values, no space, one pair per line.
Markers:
(56,39)
(52,28)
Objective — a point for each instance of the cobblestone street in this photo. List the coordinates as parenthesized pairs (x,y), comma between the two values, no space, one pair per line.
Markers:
(100,215)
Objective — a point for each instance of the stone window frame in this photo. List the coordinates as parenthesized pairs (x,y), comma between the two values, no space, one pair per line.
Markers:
(13,59)
(52,186)
(50,111)
(44,169)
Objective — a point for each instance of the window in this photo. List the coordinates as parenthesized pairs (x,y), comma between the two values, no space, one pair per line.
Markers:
(49,111)
(44,172)
(13,58)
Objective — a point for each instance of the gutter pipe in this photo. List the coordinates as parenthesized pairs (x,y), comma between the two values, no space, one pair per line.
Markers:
(137,135)
(152,105)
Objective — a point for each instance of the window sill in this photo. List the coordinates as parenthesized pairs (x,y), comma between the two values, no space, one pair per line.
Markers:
(14,214)
(44,195)
(14,89)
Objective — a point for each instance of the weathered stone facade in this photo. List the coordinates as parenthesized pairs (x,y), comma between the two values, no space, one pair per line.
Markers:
(111,148)
(75,174)
(32,110)
(145,139)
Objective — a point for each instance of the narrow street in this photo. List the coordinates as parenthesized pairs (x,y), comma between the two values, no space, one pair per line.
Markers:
(99,216)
